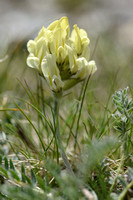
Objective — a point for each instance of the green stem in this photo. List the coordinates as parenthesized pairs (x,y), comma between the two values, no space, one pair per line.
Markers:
(120,166)
(81,105)
(118,172)
(58,138)
(123,194)
(56,110)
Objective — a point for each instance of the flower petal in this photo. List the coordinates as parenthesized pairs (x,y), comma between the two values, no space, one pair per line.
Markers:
(51,72)
(42,33)
(33,61)
(92,67)
(31,46)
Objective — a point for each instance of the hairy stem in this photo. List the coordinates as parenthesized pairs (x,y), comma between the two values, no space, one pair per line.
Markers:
(58,137)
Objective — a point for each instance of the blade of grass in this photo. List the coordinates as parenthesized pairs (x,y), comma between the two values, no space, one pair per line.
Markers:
(75,114)
(81,105)
(41,141)
(58,138)
(106,107)
(35,108)
(31,93)
(27,92)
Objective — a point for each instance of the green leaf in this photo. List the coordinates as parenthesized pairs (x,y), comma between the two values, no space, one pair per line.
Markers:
(4,172)
(41,183)
(26,178)
(0,159)
(122,181)
(23,173)
(14,175)
(130,172)
(33,177)
(12,165)
(22,169)
(6,163)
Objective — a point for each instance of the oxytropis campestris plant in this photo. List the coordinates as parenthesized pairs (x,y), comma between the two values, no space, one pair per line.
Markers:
(63,59)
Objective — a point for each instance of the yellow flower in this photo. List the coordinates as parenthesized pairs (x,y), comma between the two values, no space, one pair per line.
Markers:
(81,42)
(63,60)
(51,73)
(37,49)
(84,68)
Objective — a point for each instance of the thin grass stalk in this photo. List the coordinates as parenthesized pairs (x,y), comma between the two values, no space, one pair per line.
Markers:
(121,162)
(58,137)
(41,141)
(123,194)
(41,114)
(42,101)
(56,112)
(82,101)
(75,114)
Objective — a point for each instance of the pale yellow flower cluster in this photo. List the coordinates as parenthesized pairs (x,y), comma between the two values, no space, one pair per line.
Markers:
(62,59)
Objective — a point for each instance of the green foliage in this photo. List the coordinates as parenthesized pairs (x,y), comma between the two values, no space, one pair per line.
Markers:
(33,173)
(94,153)
(124,118)
(124,106)
(27,193)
